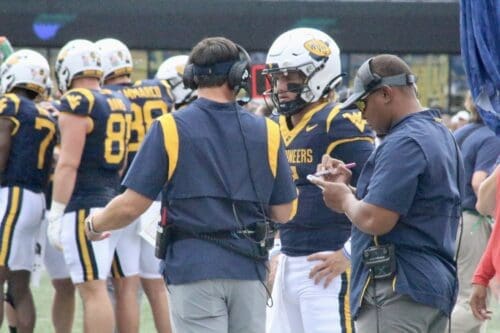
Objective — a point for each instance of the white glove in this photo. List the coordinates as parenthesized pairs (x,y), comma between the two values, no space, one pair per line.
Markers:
(54,229)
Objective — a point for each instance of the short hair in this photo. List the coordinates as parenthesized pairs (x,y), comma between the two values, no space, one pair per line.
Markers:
(389,65)
(211,51)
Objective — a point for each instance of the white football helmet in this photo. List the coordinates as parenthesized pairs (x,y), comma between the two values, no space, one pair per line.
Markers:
(172,71)
(25,69)
(78,58)
(310,52)
(116,58)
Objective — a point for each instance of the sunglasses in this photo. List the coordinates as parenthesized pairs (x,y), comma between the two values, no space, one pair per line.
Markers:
(361,105)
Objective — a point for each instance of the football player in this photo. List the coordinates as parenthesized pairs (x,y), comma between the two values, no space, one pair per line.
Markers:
(94,131)
(172,70)
(311,287)
(134,255)
(27,138)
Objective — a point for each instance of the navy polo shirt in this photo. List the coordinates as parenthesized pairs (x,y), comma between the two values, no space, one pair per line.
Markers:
(211,174)
(480,149)
(414,172)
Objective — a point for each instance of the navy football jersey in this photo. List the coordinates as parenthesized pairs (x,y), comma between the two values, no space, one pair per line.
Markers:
(149,99)
(325,129)
(104,153)
(32,144)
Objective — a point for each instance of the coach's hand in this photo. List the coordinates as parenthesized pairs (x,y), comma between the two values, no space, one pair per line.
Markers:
(331,265)
(93,234)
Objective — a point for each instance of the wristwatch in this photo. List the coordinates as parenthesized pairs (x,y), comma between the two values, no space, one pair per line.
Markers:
(89,223)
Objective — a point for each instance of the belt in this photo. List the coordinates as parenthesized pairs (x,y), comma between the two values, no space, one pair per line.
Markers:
(471,211)
(180,234)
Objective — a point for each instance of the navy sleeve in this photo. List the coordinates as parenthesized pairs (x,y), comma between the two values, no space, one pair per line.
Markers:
(355,151)
(398,165)
(77,101)
(148,172)
(284,189)
(487,154)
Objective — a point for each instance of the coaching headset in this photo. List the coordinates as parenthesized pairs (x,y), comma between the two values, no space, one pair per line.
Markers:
(237,72)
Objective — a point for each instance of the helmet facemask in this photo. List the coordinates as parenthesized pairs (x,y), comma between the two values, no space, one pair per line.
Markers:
(302,90)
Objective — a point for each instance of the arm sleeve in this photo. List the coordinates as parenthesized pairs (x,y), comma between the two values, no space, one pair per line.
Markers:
(148,172)
(77,101)
(355,151)
(398,165)
(9,105)
(284,189)
(487,154)
(485,270)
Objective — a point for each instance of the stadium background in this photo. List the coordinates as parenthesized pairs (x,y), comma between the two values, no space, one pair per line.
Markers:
(424,32)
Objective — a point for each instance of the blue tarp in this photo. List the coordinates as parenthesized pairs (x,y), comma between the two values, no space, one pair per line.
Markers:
(480,44)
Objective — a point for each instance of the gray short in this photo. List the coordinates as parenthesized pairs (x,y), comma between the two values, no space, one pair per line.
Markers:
(396,313)
(218,306)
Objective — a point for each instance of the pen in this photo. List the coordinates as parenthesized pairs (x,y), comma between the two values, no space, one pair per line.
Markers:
(329,171)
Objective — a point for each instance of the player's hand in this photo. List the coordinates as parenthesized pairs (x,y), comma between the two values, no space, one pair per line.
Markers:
(329,267)
(478,302)
(54,228)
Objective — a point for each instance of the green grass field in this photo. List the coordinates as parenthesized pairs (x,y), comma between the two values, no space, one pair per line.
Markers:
(43,299)
(43,302)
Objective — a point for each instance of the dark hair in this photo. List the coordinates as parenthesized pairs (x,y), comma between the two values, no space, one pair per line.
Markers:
(211,51)
(389,65)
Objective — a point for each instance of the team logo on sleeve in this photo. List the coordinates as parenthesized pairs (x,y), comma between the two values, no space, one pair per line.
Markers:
(73,101)
(356,119)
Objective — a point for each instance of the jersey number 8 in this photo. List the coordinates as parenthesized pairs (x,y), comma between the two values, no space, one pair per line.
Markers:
(142,120)
(116,136)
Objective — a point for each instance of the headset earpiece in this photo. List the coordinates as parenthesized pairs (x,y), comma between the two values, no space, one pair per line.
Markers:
(188,77)
(239,74)
(237,77)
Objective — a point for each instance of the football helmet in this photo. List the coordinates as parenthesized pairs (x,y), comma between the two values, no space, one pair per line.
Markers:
(78,58)
(25,69)
(116,58)
(310,52)
(172,70)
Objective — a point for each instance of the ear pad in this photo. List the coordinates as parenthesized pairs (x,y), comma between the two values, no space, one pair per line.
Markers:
(188,77)
(239,74)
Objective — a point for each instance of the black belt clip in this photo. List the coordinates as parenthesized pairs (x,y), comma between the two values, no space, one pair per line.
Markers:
(380,260)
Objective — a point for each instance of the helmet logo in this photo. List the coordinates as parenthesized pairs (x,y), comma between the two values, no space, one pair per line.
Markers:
(180,69)
(12,61)
(317,48)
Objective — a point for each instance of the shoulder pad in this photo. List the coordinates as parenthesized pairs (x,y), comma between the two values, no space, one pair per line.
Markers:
(78,101)
(9,105)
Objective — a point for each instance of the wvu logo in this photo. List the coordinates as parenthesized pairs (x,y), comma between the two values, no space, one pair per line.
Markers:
(74,101)
(356,119)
